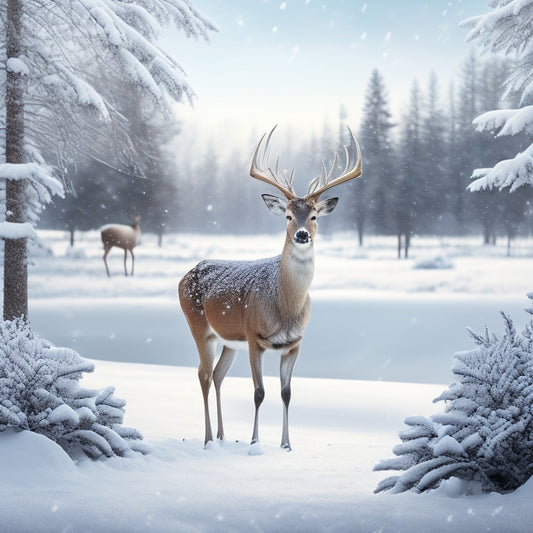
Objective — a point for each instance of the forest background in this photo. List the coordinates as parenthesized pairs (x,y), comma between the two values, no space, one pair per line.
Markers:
(417,169)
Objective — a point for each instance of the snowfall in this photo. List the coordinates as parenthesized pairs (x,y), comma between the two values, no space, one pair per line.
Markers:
(378,348)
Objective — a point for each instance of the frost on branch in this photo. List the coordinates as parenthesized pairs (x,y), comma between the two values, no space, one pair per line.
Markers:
(484,437)
(511,173)
(40,392)
(507,29)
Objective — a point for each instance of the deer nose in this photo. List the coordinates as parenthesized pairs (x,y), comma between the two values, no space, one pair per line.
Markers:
(302,236)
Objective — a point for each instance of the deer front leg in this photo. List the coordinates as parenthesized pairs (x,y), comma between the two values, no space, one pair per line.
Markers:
(256,365)
(224,364)
(287,363)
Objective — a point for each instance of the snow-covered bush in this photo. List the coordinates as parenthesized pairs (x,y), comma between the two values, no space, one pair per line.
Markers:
(433,262)
(484,437)
(40,392)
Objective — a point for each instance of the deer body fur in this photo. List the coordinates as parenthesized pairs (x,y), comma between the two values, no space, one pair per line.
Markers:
(121,236)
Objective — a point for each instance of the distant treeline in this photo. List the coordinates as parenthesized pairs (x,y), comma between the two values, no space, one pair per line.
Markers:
(417,168)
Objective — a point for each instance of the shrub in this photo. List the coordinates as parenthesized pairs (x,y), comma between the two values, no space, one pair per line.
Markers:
(40,392)
(484,437)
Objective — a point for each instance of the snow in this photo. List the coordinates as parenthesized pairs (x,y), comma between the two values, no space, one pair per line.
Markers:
(448,445)
(14,230)
(33,172)
(17,66)
(512,173)
(63,413)
(378,324)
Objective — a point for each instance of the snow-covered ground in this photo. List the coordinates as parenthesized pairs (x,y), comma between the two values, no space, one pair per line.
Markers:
(378,349)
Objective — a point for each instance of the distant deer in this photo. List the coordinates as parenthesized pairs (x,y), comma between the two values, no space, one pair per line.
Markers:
(262,304)
(121,236)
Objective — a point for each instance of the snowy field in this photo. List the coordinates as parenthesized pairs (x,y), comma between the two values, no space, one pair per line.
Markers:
(378,348)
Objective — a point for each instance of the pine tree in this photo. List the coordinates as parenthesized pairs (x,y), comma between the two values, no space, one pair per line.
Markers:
(432,190)
(47,98)
(484,435)
(40,392)
(372,198)
(507,29)
(455,189)
(410,175)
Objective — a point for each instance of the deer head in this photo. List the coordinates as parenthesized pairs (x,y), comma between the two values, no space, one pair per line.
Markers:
(302,212)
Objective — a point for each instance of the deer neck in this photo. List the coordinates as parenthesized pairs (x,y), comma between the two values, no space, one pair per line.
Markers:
(296,275)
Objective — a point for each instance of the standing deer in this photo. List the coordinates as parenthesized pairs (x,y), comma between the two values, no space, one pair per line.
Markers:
(121,236)
(262,304)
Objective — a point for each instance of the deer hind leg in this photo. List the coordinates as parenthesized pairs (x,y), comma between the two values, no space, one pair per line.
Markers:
(224,364)
(132,261)
(256,365)
(206,350)
(286,368)
(125,257)
(106,251)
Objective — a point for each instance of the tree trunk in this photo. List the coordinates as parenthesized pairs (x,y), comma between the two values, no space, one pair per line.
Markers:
(15,250)
(399,244)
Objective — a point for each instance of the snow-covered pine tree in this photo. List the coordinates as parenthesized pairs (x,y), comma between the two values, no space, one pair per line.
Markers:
(484,437)
(507,29)
(40,392)
(54,104)
(372,197)
(410,177)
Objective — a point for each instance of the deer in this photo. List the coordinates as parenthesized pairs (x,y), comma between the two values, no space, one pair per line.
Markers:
(121,236)
(262,305)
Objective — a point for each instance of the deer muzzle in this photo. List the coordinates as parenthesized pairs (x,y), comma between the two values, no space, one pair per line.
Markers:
(302,236)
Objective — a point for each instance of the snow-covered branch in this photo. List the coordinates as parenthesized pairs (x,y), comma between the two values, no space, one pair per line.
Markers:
(40,391)
(13,230)
(509,173)
(508,29)
(31,172)
(508,121)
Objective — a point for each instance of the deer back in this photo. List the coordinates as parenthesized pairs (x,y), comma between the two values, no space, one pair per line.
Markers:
(244,300)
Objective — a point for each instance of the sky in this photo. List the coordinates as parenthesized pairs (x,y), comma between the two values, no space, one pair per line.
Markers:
(293,62)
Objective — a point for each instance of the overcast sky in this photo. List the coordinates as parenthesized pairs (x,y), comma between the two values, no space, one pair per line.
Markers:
(292,62)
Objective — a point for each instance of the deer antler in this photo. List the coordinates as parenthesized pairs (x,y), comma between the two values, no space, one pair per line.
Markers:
(275,177)
(353,168)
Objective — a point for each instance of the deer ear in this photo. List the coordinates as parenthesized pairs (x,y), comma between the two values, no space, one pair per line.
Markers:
(275,204)
(325,207)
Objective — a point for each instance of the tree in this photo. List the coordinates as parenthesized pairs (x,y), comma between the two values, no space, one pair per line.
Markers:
(49,95)
(40,392)
(410,174)
(432,191)
(372,194)
(507,30)
(483,437)
(455,189)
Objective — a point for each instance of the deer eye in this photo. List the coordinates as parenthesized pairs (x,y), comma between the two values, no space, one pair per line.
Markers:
(313,217)
(288,217)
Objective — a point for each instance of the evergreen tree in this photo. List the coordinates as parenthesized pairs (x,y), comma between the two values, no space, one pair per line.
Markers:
(40,392)
(372,195)
(47,98)
(468,144)
(484,435)
(455,190)
(507,29)
(432,191)
(410,175)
